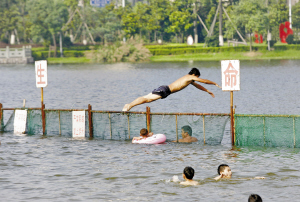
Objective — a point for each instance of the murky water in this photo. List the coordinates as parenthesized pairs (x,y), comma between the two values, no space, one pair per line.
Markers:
(53,168)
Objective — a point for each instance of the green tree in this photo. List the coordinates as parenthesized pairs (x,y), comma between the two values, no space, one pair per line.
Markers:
(180,22)
(48,19)
(251,15)
(104,23)
(296,18)
(278,13)
(9,18)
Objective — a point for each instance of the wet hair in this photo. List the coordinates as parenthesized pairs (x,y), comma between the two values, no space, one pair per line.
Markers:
(221,168)
(254,198)
(187,129)
(189,172)
(144,132)
(194,71)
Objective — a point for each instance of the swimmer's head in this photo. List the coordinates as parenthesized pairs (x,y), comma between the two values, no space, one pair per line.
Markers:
(225,171)
(254,198)
(188,172)
(186,129)
(194,71)
(143,132)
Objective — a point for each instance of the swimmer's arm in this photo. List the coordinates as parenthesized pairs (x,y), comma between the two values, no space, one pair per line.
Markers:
(259,178)
(184,140)
(217,178)
(202,88)
(135,138)
(150,134)
(205,81)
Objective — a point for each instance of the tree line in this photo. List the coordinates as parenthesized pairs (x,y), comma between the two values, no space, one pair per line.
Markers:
(44,21)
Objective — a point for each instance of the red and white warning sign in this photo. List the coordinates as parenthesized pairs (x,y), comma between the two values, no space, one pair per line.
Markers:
(230,75)
(78,123)
(20,121)
(41,73)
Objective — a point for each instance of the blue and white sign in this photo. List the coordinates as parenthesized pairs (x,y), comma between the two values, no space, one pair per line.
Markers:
(99,3)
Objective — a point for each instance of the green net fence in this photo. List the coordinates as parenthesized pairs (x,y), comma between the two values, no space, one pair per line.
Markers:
(267,130)
(208,129)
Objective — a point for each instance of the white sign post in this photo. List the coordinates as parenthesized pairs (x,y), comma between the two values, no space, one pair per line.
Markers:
(78,123)
(41,73)
(230,75)
(20,121)
(41,82)
(231,82)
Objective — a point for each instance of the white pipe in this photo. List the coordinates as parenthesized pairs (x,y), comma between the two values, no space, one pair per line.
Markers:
(290,13)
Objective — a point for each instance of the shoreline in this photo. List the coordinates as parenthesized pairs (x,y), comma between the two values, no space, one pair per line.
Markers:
(254,55)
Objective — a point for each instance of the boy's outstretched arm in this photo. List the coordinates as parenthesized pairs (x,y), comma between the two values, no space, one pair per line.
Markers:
(202,88)
(206,81)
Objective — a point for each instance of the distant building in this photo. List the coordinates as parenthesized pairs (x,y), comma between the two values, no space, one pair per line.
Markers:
(292,1)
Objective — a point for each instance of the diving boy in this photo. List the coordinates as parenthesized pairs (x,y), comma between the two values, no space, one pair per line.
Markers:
(164,91)
(188,174)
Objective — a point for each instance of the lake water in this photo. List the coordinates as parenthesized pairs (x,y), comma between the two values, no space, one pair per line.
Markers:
(59,168)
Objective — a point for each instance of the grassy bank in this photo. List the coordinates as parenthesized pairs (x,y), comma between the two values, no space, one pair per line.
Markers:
(69,60)
(258,55)
(180,52)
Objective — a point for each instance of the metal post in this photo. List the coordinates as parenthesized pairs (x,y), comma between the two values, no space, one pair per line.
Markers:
(1,116)
(221,42)
(123,5)
(110,126)
(43,112)
(59,129)
(60,45)
(203,129)
(294,132)
(90,121)
(264,131)
(128,126)
(176,129)
(148,117)
(232,118)
(195,26)
(290,13)
(43,119)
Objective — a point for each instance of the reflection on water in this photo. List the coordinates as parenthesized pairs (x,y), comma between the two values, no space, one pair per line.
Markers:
(53,168)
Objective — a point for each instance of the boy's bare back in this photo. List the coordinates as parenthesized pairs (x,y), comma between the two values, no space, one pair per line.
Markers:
(186,80)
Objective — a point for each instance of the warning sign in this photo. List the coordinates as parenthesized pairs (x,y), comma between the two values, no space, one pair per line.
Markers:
(230,75)
(20,121)
(41,73)
(78,123)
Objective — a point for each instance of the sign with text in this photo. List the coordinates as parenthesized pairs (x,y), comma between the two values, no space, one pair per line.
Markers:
(20,121)
(230,75)
(78,123)
(41,73)
(99,3)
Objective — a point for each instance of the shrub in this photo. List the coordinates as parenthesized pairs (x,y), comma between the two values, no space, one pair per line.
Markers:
(290,39)
(5,40)
(67,42)
(272,43)
(212,41)
(131,51)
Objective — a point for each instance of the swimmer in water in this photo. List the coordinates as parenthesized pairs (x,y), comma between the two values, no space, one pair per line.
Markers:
(224,172)
(186,133)
(143,134)
(255,198)
(163,91)
(188,174)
